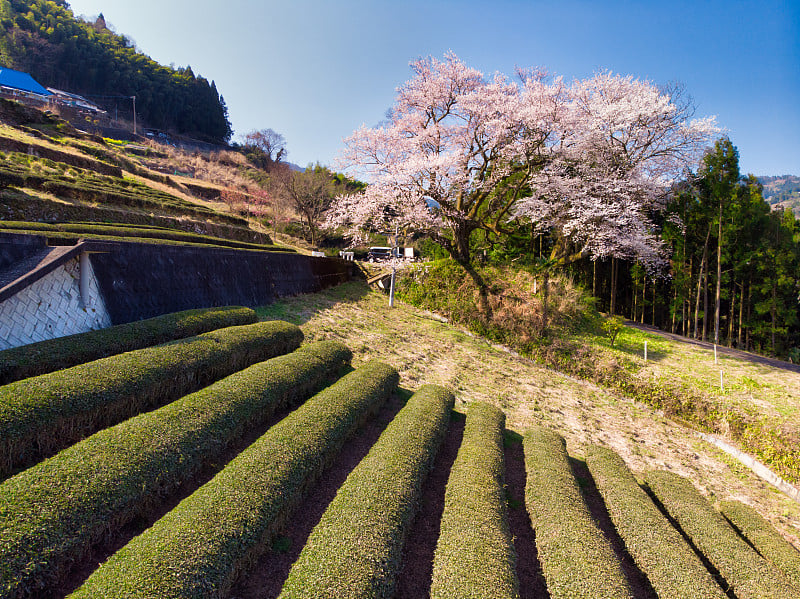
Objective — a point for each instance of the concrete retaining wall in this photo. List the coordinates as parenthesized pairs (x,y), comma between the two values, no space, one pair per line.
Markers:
(42,293)
(140,281)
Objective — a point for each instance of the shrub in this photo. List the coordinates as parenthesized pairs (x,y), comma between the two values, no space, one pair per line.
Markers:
(475,554)
(355,549)
(198,548)
(55,354)
(743,570)
(520,310)
(576,558)
(767,541)
(611,327)
(46,413)
(657,548)
(52,513)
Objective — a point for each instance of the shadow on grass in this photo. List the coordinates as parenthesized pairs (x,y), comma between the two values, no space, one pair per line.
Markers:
(636,350)
(301,308)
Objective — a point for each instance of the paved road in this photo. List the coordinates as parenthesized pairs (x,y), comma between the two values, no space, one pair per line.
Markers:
(736,353)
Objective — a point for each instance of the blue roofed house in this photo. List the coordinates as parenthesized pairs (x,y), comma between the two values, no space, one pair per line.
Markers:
(18,84)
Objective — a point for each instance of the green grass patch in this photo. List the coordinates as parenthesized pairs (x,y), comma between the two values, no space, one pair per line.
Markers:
(43,414)
(52,513)
(672,568)
(59,238)
(475,554)
(766,540)
(576,558)
(55,354)
(743,570)
(570,341)
(198,548)
(355,549)
(19,205)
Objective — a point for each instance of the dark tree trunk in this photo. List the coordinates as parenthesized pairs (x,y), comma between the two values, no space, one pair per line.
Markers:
(460,252)
(717,294)
(741,316)
(613,286)
(731,317)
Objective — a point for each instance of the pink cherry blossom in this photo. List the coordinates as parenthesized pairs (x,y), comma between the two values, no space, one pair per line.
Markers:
(589,162)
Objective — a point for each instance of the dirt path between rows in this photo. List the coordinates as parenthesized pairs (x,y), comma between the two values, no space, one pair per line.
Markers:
(266,577)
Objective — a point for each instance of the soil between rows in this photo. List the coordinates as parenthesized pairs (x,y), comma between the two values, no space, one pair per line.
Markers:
(266,576)
(414,581)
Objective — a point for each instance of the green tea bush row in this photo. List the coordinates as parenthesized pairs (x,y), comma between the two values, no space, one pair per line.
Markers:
(744,571)
(45,413)
(355,550)
(89,230)
(767,541)
(198,549)
(658,549)
(577,559)
(52,513)
(54,354)
(475,554)
(58,238)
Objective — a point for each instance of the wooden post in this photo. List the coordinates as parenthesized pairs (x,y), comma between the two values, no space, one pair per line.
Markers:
(391,289)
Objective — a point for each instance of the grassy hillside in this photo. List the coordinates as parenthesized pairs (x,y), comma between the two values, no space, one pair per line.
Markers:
(95,187)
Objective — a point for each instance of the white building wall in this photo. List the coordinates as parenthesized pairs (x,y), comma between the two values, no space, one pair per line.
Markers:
(52,307)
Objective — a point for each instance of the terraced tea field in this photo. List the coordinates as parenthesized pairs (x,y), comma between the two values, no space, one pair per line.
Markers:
(387,455)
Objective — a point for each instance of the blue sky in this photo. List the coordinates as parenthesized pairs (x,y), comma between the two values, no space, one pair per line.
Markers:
(316,70)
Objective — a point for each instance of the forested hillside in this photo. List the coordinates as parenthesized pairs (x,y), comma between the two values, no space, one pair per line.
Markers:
(783,190)
(45,39)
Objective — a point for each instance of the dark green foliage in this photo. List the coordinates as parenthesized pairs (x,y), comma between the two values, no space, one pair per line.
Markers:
(43,414)
(748,574)
(658,549)
(46,356)
(198,548)
(723,236)
(767,541)
(355,549)
(52,513)
(46,40)
(576,558)
(475,554)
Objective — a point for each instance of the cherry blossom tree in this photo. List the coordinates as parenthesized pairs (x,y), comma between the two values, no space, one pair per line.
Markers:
(588,162)
(453,156)
(624,142)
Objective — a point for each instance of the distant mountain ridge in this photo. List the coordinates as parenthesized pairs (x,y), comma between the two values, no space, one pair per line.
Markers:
(782,191)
